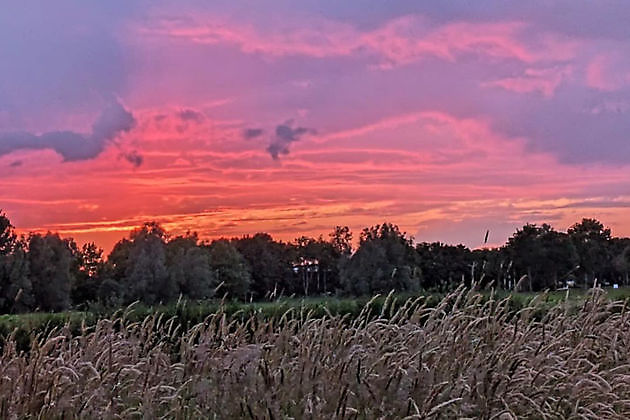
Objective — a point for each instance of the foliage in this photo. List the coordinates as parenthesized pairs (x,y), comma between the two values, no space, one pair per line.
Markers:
(89,264)
(442,265)
(50,260)
(230,268)
(189,268)
(270,264)
(383,262)
(591,239)
(146,277)
(546,256)
(45,272)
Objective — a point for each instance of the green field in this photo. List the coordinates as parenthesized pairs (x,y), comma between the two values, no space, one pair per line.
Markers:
(187,314)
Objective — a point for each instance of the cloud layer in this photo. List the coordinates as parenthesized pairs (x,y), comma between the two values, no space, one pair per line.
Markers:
(112,122)
(447,118)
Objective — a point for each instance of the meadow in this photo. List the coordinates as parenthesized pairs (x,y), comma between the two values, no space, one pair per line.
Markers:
(466,354)
(187,313)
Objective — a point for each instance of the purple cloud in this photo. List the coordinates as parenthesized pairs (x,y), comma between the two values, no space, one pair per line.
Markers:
(285,134)
(113,121)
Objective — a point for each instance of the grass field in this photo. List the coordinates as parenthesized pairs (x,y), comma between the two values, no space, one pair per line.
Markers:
(577,295)
(468,355)
(25,326)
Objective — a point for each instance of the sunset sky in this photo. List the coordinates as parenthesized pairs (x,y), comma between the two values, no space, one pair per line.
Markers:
(291,117)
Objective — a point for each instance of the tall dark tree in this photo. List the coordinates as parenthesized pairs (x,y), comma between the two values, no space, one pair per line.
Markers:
(111,290)
(546,256)
(271,265)
(341,240)
(620,248)
(492,266)
(230,268)
(384,261)
(15,284)
(146,277)
(443,266)
(189,267)
(8,238)
(89,266)
(51,264)
(592,242)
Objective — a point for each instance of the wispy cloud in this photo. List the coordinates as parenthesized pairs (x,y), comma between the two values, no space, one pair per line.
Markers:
(398,41)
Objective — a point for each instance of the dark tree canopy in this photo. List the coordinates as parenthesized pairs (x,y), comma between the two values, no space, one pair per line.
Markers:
(543,254)
(51,261)
(89,263)
(146,275)
(384,261)
(189,267)
(591,240)
(230,268)
(7,235)
(270,263)
(46,272)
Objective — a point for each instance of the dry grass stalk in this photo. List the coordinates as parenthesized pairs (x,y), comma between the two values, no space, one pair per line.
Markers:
(464,358)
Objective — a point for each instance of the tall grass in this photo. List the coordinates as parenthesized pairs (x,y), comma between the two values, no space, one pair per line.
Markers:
(468,356)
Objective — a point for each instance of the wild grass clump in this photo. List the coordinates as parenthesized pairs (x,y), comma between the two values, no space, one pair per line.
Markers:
(469,356)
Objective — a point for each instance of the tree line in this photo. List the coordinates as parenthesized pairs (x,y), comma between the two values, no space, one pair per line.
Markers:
(48,273)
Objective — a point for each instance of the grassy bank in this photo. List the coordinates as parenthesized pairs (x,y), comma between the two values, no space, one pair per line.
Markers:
(26,326)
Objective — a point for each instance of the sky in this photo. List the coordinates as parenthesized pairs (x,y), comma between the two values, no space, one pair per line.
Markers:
(236,117)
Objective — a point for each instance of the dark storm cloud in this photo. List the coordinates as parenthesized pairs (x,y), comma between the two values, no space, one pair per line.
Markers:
(252,133)
(190,115)
(135,158)
(285,134)
(72,146)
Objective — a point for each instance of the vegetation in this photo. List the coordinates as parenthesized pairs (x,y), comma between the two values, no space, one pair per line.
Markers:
(44,272)
(468,356)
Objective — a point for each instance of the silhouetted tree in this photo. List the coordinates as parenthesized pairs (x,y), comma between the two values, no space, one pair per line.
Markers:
(317,265)
(146,277)
(89,266)
(111,290)
(230,269)
(15,284)
(50,261)
(620,249)
(341,240)
(443,266)
(189,267)
(591,240)
(384,261)
(8,238)
(543,254)
(492,266)
(271,265)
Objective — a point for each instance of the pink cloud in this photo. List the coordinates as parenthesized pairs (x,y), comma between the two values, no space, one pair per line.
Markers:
(608,72)
(399,41)
(415,169)
(596,76)
(535,80)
